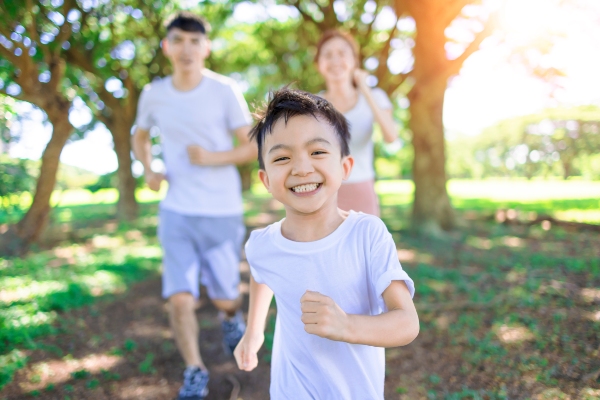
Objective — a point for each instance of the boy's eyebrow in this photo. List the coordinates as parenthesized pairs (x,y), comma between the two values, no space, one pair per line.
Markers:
(317,140)
(277,147)
(283,146)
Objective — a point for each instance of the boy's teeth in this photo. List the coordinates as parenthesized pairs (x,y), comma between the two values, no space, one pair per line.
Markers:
(305,188)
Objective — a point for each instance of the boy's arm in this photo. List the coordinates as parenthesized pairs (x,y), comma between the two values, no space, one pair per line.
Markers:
(397,327)
(243,153)
(140,143)
(246,350)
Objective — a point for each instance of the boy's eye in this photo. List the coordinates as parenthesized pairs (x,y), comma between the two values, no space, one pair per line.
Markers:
(281,159)
(318,152)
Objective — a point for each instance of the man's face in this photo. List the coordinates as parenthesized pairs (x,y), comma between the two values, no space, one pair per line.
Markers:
(303,164)
(186,50)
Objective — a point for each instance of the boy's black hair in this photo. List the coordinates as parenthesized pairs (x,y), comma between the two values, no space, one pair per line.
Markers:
(288,103)
(188,22)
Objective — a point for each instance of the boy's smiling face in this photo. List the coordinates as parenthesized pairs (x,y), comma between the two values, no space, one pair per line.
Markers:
(303,164)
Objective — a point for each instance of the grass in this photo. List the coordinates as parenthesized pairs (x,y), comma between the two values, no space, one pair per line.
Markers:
(38,291)
(499,303)
(503,304)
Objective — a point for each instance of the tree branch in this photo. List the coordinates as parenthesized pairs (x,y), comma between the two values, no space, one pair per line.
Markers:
(385,52)
(14,60)
(370,27)
(451,11)
(33,32)
(307,17)
(400,7)
(65,30)
(455,65)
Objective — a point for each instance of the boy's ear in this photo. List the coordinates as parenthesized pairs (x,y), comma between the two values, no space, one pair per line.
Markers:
(264,178)
(164,45)
(208,48)
(347,164)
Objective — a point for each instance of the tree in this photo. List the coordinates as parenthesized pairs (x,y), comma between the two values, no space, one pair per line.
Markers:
(33,70)
(432,69)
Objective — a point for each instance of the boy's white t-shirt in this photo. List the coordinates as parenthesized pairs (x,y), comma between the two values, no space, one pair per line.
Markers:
(353,266)
(207,116)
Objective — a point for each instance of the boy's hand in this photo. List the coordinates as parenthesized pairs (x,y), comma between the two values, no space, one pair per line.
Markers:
(245,352)
(323,317)
(198,155)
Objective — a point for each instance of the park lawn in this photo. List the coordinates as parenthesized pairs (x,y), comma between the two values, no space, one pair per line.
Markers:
(507,311)
(95,261)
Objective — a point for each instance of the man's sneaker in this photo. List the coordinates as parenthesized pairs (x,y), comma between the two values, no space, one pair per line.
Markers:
(195,384)
(233,330)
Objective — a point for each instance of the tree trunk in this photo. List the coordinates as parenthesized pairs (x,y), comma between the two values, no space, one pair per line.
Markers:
(432,210)
(17,240)
(567,169)
(127,207)
(246,171)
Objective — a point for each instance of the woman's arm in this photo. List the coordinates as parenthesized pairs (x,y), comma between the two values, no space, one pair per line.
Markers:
(384,118)
(397,327)
(246,350)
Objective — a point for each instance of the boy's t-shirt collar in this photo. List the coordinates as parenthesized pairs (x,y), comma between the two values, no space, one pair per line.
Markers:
(316,245)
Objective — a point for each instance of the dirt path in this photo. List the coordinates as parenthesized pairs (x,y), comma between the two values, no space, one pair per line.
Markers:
(124,350)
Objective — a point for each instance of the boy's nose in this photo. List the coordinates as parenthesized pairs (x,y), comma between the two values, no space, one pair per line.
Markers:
(302,166)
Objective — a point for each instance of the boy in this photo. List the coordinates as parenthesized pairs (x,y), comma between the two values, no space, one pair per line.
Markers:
(341,293)
(200,220)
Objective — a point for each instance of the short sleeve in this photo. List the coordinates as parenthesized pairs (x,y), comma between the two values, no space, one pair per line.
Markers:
(385,266)
(382,99)
(248,248)
(144,118)
(238,114)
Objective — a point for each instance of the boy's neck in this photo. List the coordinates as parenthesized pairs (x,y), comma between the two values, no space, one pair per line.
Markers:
(185,81)
(300,227)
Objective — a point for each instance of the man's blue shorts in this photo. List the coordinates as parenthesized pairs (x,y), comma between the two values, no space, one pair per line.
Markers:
(199,249)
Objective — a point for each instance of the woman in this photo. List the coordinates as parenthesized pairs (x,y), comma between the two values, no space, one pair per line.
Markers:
(347,89)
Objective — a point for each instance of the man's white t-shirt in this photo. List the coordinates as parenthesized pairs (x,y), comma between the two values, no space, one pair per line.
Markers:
(353,265)
(361,121)
(207,116)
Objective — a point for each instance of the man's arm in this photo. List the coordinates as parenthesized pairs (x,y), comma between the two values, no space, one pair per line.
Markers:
(246,350)
(141,145)
(397,327)
(243,153)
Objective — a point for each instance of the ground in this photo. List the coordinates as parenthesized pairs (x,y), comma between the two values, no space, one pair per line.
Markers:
(509,305)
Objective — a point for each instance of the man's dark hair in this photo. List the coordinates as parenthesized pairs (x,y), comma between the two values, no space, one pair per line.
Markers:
(188,22)
(288,103)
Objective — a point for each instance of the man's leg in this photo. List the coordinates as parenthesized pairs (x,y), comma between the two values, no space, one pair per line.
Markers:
(229,307)
(184,325)
(180,286)
(220,254)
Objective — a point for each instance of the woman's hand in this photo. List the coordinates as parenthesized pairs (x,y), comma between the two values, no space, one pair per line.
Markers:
(360,79)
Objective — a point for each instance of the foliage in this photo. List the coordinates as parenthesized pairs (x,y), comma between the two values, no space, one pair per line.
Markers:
(556,142)
(108,181)
(15,179)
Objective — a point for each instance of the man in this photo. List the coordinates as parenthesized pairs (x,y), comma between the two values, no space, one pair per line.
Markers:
(199,113)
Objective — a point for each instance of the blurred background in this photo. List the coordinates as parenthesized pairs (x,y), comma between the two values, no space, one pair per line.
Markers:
(501,237)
